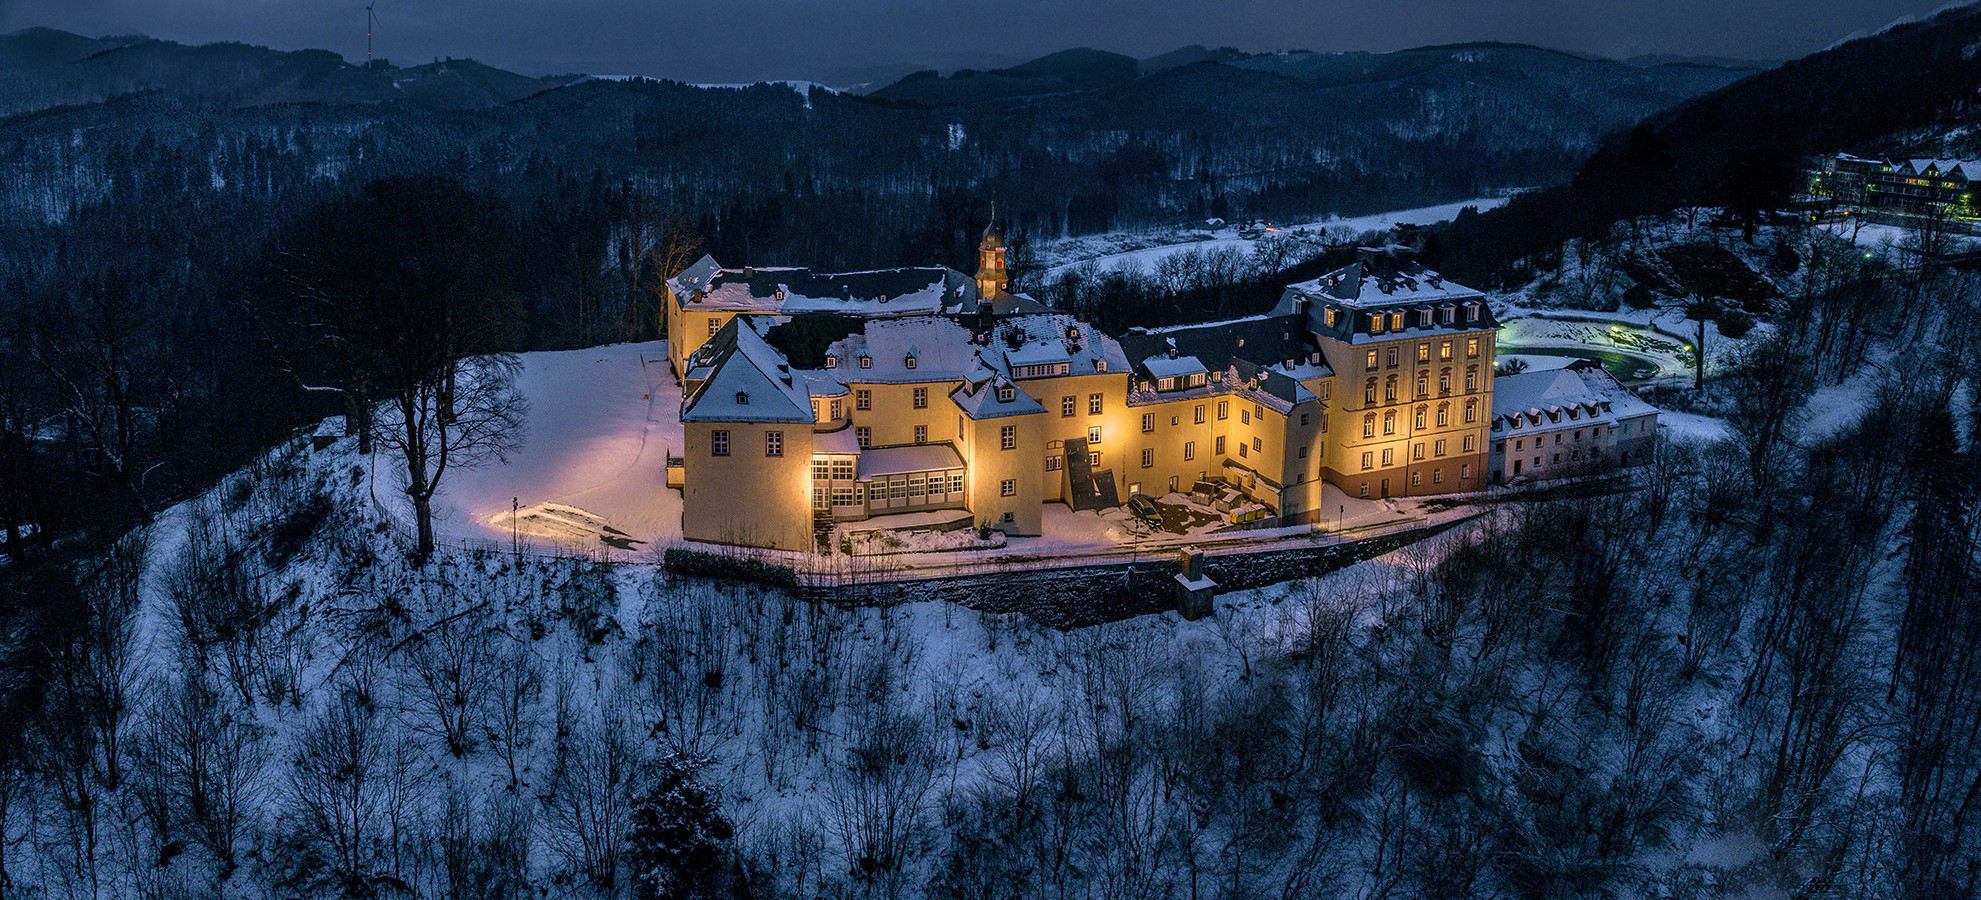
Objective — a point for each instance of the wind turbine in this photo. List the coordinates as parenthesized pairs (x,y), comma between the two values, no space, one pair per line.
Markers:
(371,22)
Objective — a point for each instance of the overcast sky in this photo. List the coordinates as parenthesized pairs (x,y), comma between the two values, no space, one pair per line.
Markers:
(828,40)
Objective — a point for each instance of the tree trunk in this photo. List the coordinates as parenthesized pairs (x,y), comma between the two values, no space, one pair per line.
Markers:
(1699,382)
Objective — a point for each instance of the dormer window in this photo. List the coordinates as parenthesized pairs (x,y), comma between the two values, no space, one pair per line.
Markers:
(1100,365)
(1375,323)
(780,295)
(1471,312)
(1005,393)
(1396,321)
(1166,384)
(831,362)
(866,362)
(1329,315)
(1449,315)
(742,398)
(910,361)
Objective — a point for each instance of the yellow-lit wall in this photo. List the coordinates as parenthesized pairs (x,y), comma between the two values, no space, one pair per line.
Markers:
(990,465)
(748,498)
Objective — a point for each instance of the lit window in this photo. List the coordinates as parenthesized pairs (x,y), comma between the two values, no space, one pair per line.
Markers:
(773,443)
(1223,410)
(1472,348)
(1368,462)
(866,362)
(1007,437)
(1200,413)
(1423,353)
(718,443)
(1370,359)
(831,362)
(1444,350)
(1094,435)
(1148,421)
(1395,324)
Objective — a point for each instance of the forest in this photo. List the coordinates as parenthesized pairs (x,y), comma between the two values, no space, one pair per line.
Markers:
(1755,673)
(223,672)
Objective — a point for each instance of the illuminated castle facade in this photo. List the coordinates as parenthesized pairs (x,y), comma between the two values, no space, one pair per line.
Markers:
(949,395)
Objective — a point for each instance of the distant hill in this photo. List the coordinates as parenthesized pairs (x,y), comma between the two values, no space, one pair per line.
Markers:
(42,67)
(1078,69)
(1548,81)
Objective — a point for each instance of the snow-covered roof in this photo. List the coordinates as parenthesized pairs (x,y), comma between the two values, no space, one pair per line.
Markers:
(1585,388)
(979,400)
(843,441)
(904,460)
(1966,168)
(941,348)
(1164,367)
(789,291)
(1084,348)
(1038,353)
(748,382)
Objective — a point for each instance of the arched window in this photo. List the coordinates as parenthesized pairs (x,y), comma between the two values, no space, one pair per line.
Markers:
(1423,384)
(1471,379)
(1369,391)
(1444,382)
(1369,425)
(1389,422)
(1471,411)
(1444,414)
(1423,415)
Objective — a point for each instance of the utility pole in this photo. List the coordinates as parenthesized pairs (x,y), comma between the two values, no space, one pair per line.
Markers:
(515,544)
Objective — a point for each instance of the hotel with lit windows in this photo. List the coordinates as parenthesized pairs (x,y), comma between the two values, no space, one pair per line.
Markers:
(813,399)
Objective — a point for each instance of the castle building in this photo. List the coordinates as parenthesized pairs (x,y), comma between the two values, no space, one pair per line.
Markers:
(1571,421)
(944,397)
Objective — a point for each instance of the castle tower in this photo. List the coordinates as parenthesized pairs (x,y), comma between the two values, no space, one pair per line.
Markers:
(991,276)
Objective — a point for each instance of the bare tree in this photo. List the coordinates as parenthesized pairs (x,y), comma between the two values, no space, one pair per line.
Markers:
(464,413)
(588,804)
(450,677)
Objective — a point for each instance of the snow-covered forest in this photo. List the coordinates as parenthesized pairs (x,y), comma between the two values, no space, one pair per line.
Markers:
(1755,674)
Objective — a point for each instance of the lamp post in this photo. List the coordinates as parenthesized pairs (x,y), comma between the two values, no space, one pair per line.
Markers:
(515,544)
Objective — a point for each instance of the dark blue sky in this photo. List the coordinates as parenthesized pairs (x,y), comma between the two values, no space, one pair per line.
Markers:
(835,40)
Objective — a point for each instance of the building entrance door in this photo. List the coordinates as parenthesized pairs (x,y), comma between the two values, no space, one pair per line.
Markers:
(1385,489)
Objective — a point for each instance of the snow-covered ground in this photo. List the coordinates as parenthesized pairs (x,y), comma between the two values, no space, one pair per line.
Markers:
(594,456)
(1142,250)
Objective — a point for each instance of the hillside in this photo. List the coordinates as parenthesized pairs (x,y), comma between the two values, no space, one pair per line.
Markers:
(1742,147)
